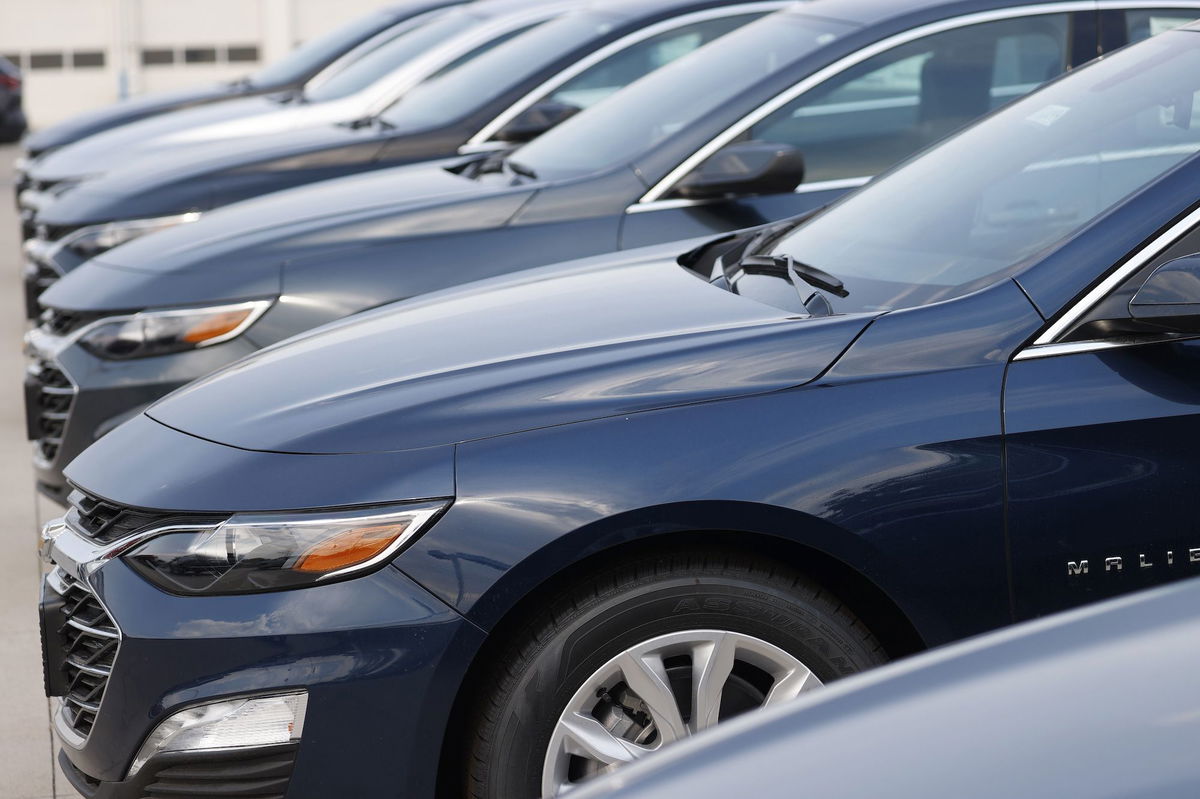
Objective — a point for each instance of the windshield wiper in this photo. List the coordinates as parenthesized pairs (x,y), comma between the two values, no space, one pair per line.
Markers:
(786,266)
(367,122)
(520,169)
(789,269)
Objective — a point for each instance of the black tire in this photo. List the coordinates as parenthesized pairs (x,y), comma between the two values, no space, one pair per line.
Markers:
(523,696)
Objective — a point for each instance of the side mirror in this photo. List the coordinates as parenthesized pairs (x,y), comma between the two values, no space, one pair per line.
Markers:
(1170,297)
(748,167)
(535,120)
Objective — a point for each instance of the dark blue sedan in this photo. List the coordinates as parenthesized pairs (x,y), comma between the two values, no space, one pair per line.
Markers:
(503,538)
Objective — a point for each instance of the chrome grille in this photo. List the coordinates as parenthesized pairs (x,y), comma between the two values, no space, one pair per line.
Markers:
(58,322)
(106,522)
(50,394)
(90,640)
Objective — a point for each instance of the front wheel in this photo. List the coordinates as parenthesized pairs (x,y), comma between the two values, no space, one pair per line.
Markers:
(650,652)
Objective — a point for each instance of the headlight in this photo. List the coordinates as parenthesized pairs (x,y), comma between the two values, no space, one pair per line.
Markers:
(163,332)
(264,552)
(88,242)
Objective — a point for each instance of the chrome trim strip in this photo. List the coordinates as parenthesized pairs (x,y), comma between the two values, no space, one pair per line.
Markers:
(674,176)
(1075,347)
(392,87)
(385,36)
(617,46)
(1134,263)
(86,669)
(96,631)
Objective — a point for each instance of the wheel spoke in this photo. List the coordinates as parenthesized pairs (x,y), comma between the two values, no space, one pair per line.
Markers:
(712,663)
(588,738)
(791,685)
(646,676)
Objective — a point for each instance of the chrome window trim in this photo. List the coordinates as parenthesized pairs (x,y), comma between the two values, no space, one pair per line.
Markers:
(387,90)
(624,43)
(832,70)
(1046,344)
(1098,345)
(393,31)
(804,188)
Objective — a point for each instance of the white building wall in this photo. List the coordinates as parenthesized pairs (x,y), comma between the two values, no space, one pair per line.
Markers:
(58,42)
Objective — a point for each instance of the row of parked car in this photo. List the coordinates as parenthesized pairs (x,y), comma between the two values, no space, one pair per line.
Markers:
(537,400)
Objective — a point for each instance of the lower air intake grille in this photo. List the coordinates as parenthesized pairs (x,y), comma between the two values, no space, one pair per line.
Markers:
(253,775)
(229,774)
(89,641)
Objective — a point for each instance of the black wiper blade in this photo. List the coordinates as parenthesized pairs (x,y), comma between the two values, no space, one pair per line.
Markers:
(786,266)
(789,269)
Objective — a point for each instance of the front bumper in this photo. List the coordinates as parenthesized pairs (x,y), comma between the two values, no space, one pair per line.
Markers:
(379,656)
(72,397)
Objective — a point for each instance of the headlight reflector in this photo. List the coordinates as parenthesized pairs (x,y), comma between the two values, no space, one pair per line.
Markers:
(263,552)
(90,241)
(237,723)
(162,332)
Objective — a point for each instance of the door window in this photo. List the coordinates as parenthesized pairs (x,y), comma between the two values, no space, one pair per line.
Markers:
(888,107)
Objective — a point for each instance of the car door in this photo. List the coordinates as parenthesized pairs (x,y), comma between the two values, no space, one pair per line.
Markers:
(1102,414)
(876,111)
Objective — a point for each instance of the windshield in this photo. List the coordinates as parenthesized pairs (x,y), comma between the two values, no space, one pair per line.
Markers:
(316,53)
(468,85)
(981,205)
(620,129)
(391,55)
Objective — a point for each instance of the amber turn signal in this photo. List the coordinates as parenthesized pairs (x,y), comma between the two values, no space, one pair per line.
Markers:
(350,547)
(217,325)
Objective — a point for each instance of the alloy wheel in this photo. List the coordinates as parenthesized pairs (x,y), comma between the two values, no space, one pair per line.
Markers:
(661,690)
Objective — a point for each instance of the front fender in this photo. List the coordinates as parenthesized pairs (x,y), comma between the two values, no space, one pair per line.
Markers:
(901,480)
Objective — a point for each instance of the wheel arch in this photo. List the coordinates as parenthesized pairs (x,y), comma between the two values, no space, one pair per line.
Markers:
(642,534)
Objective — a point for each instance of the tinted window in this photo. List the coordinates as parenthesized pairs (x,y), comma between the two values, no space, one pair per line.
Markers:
(621,129)
(455,93)
(316,53)
(390,55)
(883,110)
(977,207)
(640,59)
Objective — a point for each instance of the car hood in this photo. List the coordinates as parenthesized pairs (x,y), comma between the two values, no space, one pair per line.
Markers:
(592,339)
(122,113)
(207,165)
(156,136)
(217,254)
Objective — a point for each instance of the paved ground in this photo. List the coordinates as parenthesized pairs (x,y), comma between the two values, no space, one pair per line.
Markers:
(26,757)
